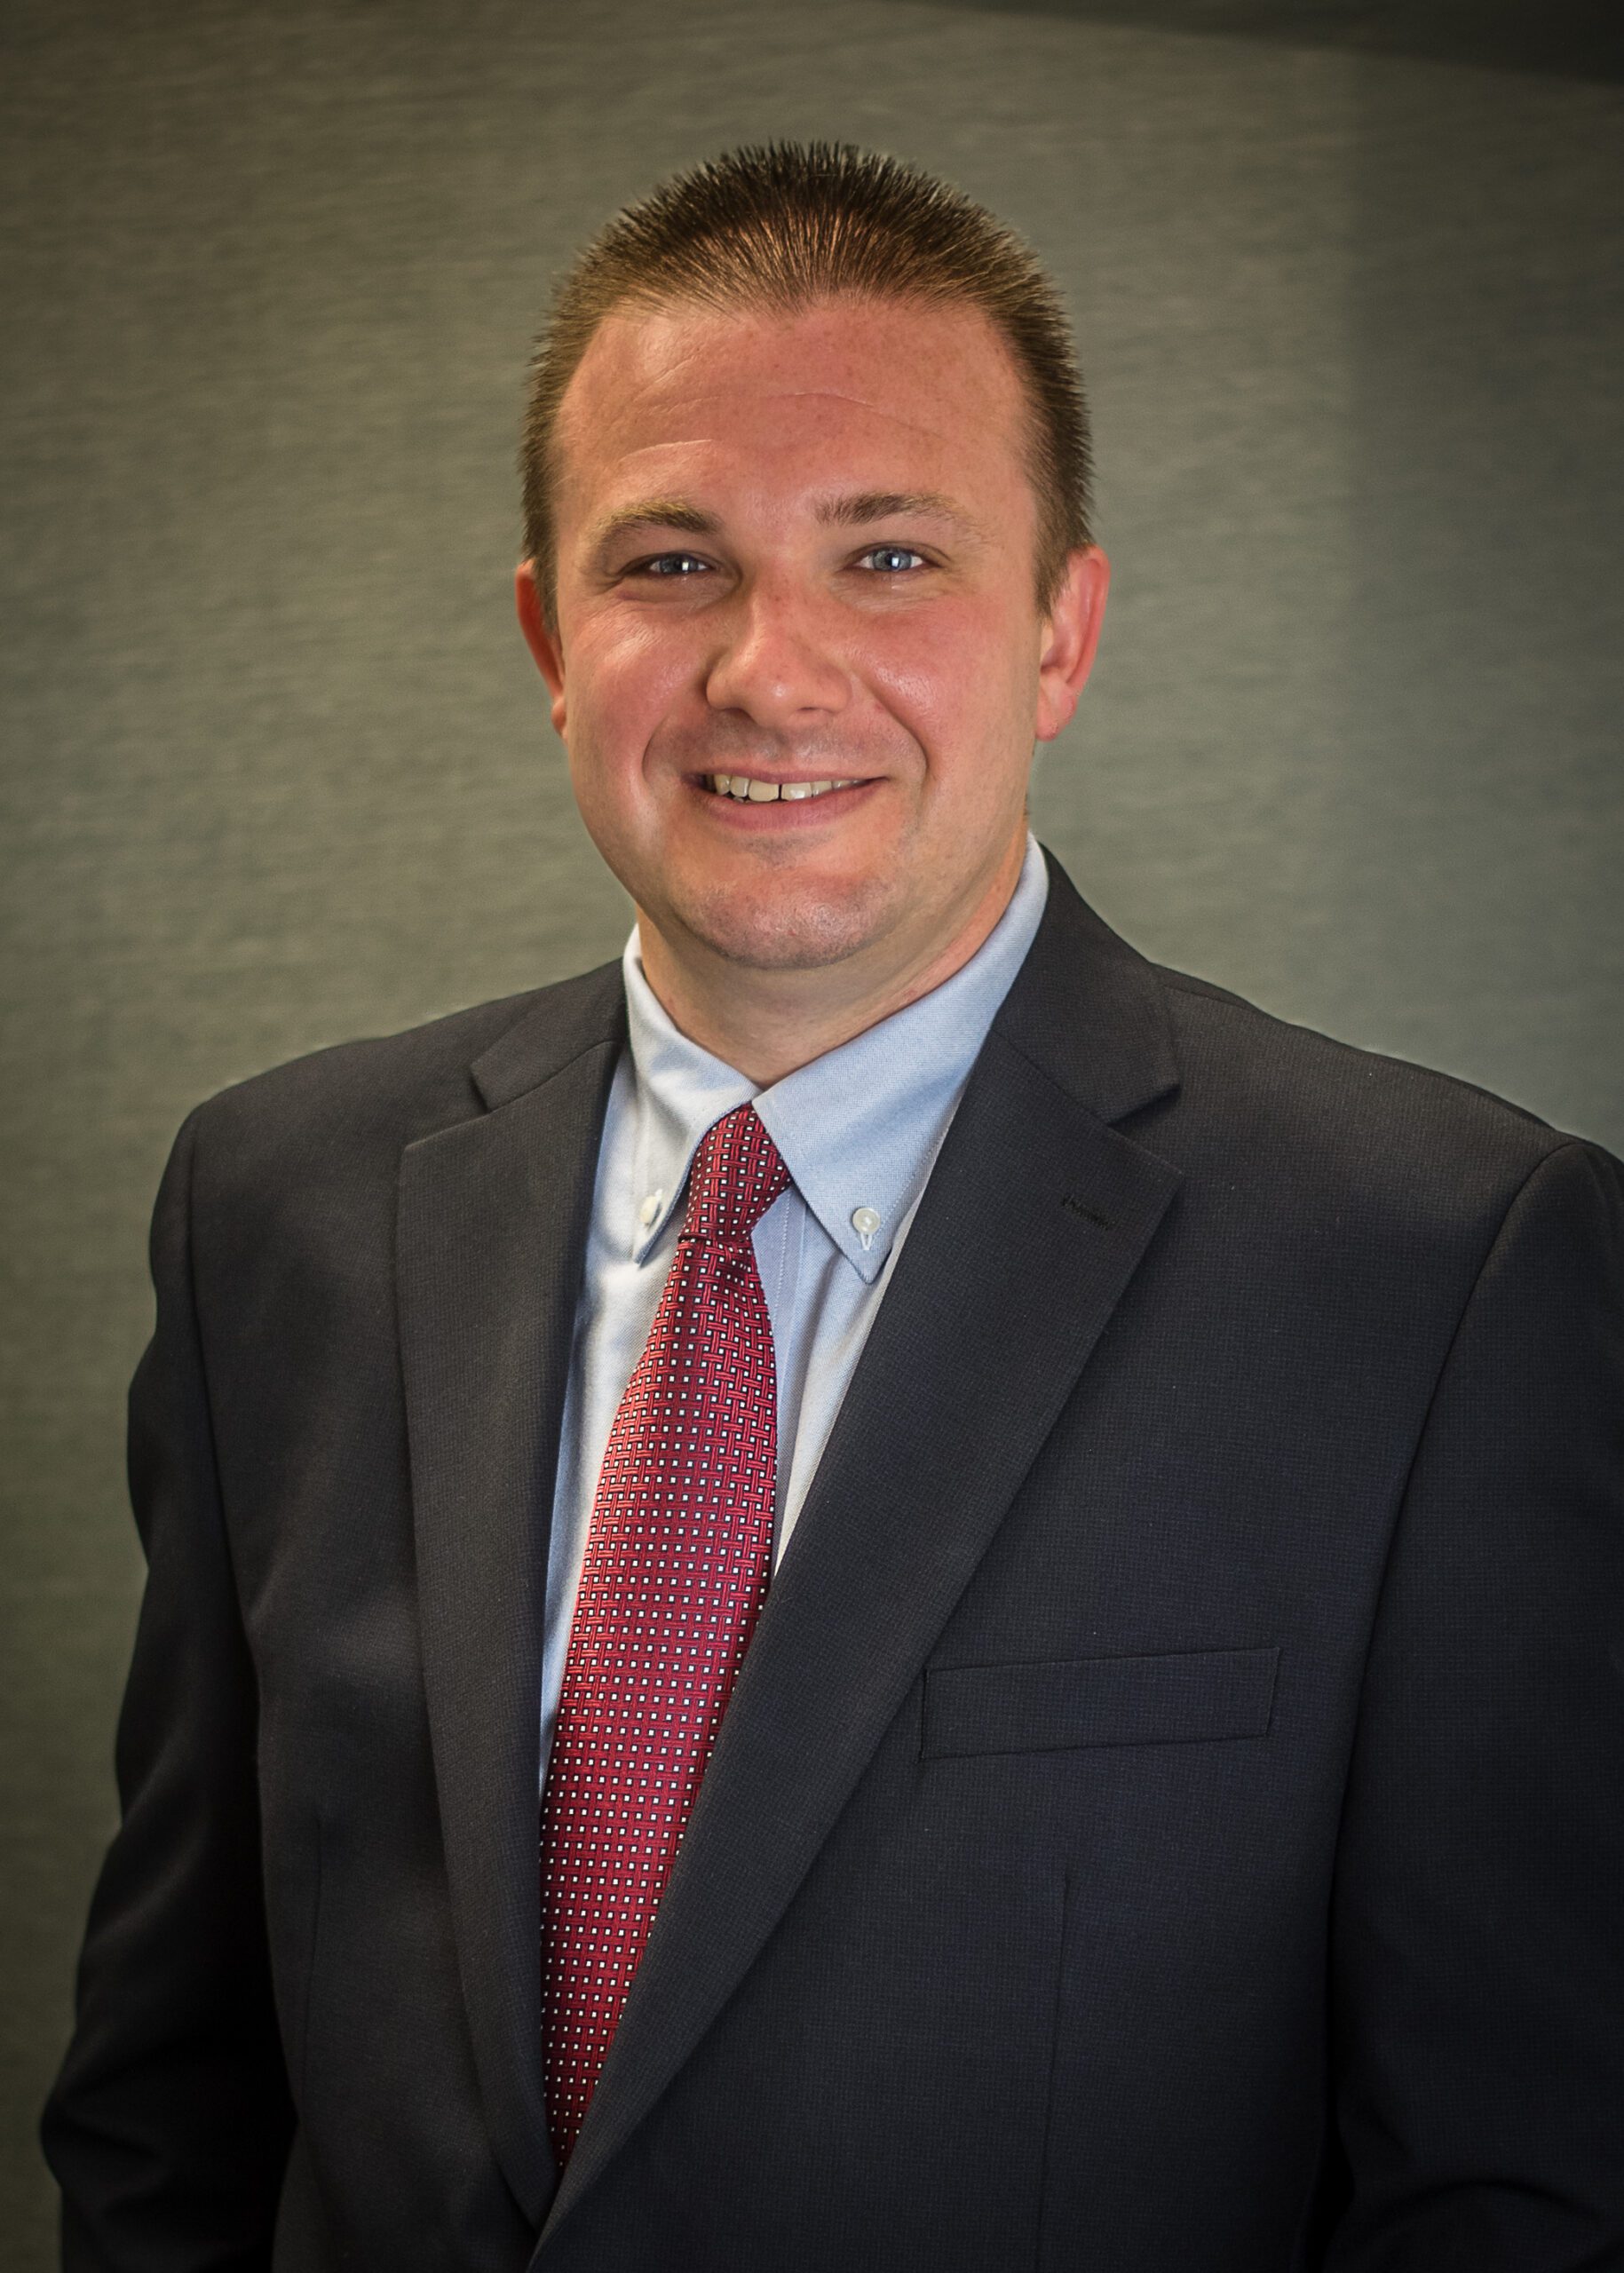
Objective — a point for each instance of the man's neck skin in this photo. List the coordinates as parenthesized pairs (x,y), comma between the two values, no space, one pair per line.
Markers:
(768,1023)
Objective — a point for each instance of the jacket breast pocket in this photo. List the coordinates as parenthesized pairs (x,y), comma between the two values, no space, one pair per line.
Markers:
(1062,1704)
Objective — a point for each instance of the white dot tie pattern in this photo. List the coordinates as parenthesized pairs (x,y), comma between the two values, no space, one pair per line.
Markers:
(676,1570)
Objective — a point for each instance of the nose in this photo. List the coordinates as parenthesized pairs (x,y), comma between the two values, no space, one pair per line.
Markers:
(776,663)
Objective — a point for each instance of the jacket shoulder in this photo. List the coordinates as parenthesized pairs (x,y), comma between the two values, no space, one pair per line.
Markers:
(383,1091)
(1266,1104)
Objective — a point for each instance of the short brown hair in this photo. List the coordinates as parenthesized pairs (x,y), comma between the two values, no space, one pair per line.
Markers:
(782,226)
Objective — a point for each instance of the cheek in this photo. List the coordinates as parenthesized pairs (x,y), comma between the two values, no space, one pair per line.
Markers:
(959,677)
(620,681)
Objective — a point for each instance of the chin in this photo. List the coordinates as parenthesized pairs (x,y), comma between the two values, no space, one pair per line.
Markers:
(787,930)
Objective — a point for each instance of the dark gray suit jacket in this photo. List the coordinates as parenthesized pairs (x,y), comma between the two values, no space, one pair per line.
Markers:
(1169,1819)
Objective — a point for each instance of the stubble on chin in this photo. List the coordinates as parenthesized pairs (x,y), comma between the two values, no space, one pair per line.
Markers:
(783,929)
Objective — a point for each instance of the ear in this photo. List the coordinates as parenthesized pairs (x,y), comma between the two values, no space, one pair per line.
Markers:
(1071,633)
(542,643)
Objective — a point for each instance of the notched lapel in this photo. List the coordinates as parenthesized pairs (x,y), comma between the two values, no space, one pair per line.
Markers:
(1033,1222)
(492,1231)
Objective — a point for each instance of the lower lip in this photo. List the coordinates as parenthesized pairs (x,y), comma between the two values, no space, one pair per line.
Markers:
(784,812)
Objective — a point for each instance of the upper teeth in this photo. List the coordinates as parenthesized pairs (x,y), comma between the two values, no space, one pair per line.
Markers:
(744,785)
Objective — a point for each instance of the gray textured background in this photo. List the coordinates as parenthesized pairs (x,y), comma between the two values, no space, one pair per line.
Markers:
(276,769)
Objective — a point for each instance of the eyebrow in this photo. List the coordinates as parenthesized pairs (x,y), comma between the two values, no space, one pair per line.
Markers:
(854,511)
(654,513)
(890,504)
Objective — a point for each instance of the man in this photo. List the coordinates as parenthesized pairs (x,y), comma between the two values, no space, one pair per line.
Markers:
(1049,1545)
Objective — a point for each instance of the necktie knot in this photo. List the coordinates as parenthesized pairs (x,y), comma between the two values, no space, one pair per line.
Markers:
(737,1175)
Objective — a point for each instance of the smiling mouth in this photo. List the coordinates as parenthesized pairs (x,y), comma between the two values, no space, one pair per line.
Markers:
(747,787)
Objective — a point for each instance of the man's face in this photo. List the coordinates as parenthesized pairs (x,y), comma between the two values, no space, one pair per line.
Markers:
(799,555)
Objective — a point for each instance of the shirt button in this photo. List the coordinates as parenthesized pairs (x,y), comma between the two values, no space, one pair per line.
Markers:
(865,1222)
(650,1208)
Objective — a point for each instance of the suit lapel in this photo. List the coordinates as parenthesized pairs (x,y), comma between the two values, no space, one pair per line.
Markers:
(492,1229)
(1035,1219)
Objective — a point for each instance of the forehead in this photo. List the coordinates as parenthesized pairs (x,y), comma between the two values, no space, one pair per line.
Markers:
(888,395)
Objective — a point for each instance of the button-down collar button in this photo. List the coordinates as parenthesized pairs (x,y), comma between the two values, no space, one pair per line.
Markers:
(865,1222)
(650,1208)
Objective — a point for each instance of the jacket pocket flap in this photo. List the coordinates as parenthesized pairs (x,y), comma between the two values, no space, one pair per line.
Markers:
(1186,1697)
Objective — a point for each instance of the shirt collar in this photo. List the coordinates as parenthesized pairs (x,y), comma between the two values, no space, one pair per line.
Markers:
(859,1128)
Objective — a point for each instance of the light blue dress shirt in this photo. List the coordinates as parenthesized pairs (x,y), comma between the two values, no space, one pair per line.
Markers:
(858,1129)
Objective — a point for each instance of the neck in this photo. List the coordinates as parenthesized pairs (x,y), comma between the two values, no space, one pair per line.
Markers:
(767,1023)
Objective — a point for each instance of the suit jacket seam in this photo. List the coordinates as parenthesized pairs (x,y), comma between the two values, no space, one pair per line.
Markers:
(554,1073)
(1064,1090)
(191,1134)
(1401,1498)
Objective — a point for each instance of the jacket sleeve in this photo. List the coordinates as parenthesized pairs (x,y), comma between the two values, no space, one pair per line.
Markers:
(1477,1989)
(170,2124)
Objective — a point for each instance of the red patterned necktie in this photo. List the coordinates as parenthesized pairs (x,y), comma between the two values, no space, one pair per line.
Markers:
(678,1559)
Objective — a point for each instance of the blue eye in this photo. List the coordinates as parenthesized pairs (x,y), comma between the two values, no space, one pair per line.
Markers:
(669,564)
(893,559)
